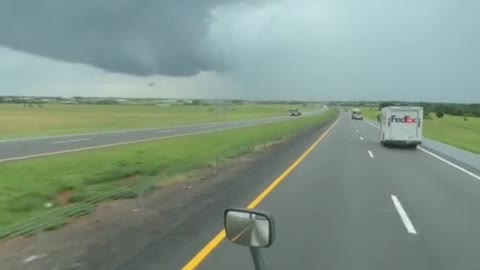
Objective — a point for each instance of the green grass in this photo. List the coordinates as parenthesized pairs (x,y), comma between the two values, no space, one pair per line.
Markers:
(370,113)
(26,186)
(453,130)
(57,119)
(456,131)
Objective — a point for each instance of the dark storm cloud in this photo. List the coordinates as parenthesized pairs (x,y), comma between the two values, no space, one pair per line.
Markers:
(350,49)
(299,49)
(140,37)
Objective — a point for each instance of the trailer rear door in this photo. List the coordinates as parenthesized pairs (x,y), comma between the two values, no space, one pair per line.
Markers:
(405,124)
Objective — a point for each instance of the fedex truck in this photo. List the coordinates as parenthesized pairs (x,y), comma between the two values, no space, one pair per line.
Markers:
(401,125)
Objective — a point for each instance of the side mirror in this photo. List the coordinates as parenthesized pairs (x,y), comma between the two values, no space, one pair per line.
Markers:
(250,228)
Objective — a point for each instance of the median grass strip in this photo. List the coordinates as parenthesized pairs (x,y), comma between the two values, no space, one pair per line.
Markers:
(26,186)
(462,132)
(56,119)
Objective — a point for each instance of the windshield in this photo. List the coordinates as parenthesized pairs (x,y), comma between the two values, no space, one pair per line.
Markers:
(127,128)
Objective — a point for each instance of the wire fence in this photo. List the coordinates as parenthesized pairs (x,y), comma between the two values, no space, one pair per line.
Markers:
(93,222)
(60,216)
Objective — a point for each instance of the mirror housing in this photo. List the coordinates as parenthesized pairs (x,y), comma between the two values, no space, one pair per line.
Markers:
(248,227)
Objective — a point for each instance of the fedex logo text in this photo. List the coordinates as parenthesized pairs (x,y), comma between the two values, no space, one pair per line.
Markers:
(406,119)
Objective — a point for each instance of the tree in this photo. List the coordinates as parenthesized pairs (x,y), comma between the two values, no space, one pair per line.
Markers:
(439,114)
(426,114)
(196,102)
(238,102)
(386,104)
(106,102)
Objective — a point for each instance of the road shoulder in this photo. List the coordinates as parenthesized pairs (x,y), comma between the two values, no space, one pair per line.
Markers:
(469,160)
(168,228)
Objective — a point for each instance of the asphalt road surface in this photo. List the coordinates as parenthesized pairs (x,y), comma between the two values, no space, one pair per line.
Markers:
(12,150)
(353,204)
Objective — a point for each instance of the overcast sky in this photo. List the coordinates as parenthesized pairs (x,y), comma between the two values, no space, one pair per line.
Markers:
(268,49)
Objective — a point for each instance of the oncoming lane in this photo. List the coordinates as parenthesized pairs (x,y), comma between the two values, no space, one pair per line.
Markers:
(14,150)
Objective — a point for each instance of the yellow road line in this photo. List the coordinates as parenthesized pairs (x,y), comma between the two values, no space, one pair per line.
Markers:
(215,242)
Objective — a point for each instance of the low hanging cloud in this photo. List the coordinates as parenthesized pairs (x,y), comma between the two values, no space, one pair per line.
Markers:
(302,49)
(141,37)
(375,49)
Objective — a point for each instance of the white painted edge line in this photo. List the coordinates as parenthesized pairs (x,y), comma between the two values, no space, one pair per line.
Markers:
(370,154)
(33,258)
(450,163)
(440,158)
(246,125)
(361,138)
(122,131)
(124,143)
(72,141)
(274,119)
(403,215)
(371,124)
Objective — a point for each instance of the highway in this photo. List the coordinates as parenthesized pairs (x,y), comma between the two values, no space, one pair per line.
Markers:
(349,203)
(13,150)
(353,204)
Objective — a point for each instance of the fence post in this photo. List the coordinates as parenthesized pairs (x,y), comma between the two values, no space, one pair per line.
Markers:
(38,238)
(139,200)
(216,164)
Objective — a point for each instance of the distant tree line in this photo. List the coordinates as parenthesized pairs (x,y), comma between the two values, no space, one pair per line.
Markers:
(441,109)
(292,102)
(437,108)
(106,102)
(26,102)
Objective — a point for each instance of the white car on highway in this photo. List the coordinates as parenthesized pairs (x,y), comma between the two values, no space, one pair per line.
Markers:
(357,114)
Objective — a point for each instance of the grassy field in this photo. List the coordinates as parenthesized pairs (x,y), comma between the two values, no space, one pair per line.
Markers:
(55,119)
(27,185)
(453,130)
(370,113)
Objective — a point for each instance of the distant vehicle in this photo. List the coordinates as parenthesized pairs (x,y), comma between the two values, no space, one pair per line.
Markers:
(357,114)
(401,125)
(295,112)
